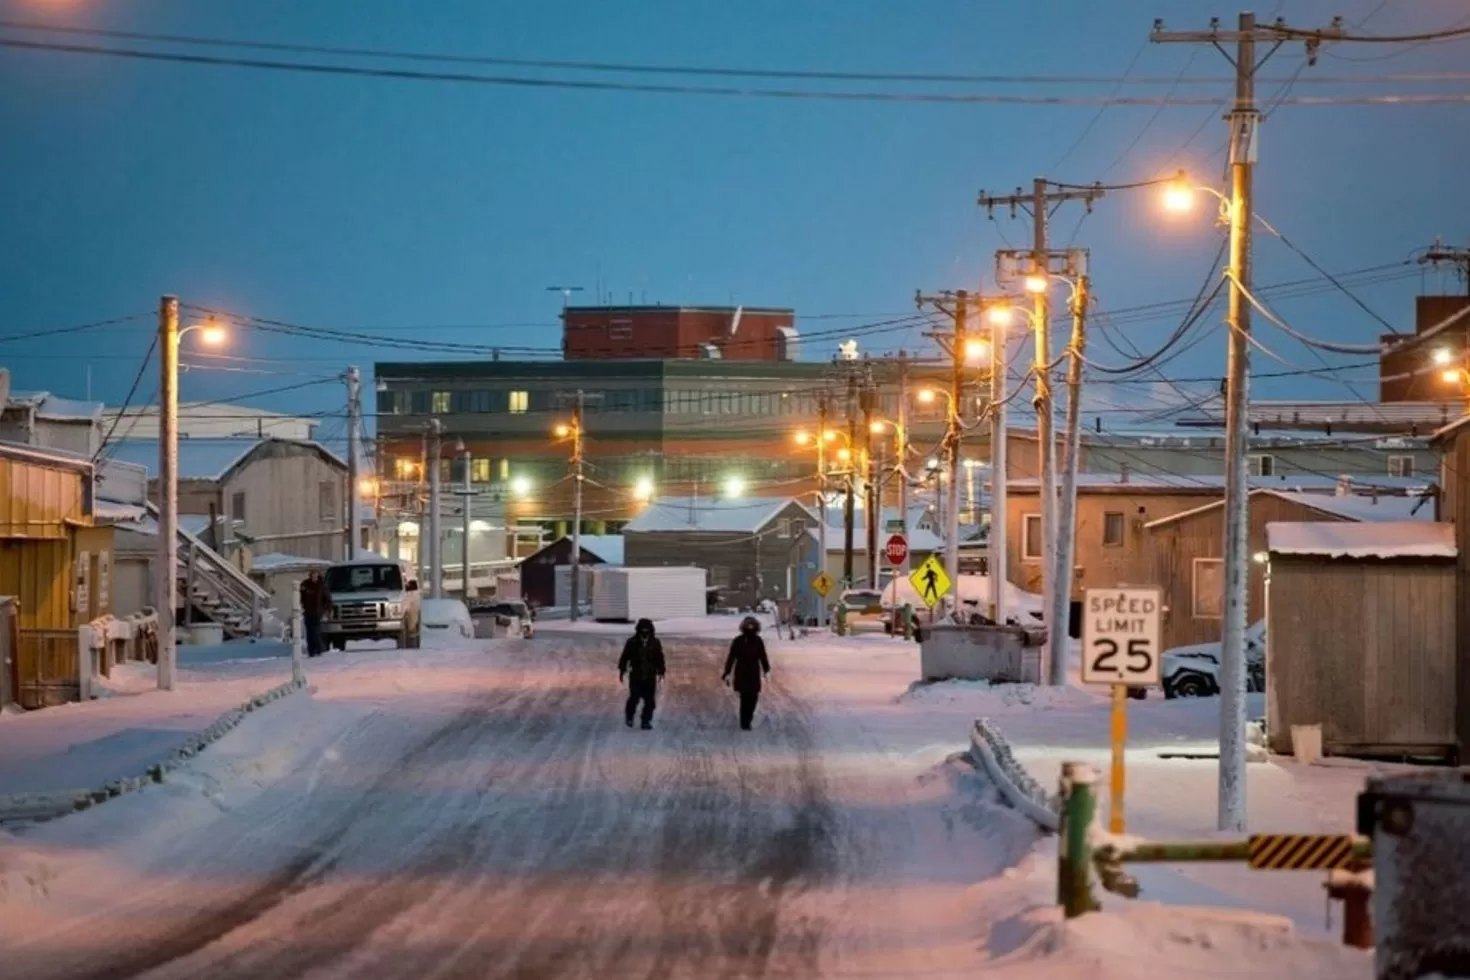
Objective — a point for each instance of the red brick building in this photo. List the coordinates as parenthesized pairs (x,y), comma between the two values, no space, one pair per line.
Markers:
(1413,375)
(736,333)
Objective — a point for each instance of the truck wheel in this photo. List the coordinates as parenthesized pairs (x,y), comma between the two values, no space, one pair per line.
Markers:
(1190,685)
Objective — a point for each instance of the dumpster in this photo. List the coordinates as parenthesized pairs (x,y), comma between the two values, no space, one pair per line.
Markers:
(1420,825)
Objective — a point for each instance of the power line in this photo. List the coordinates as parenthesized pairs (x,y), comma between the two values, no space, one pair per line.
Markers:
(527,82)
(58,331)
(132,390)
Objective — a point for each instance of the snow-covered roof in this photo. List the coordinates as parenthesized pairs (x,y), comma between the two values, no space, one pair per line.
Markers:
(608,547)
(1376,539)
(745,515)
(1354,507)
(278,562)
(202,459)
(45,454)
(53,409)
(116,512)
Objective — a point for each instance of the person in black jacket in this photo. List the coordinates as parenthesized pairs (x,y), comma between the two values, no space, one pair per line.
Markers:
(748,661)
(642,664)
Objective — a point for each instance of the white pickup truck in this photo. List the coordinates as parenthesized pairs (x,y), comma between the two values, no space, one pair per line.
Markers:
(372,599)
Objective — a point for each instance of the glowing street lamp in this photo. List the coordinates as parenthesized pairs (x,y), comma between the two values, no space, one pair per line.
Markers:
(1443,356)
(976,351)
(562,431)
(520,486)
(927,396)
(1178,195)
(1036,284)
(802,437)
(643,489)
(1001,315)
(734,487)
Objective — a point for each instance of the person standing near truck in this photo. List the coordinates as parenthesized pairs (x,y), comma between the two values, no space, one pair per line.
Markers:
(316,602)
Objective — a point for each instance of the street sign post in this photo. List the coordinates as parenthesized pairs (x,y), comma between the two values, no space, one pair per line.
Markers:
(931,581)
(1120,647)
(896,550)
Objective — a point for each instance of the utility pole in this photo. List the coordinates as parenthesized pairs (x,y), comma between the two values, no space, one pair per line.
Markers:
(872,498)
(425,562)
(996,540)
(435,538)
(901,451)
(576,434)
(354,469)
(1071,444)
(822,411)
(466,496)
(1244,119)
(1038,273)
(847,507)
(954,428)
(166,575)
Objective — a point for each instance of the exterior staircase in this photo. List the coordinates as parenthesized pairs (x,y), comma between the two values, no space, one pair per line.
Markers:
(214,589)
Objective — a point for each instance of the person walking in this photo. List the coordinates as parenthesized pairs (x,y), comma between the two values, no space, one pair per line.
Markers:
(316,602)
(748,662)
(642,664)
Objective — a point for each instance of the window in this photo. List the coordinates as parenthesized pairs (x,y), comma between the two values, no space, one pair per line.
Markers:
(440,404)
(505,469)
(519,402)
(418,403)
(1208,588)
(405,468)
(326,496)
(237,506)
(1031,537)
(1263,465)
(798,527)
(1401,466)
(1113,529)
(480,470)
(783,528)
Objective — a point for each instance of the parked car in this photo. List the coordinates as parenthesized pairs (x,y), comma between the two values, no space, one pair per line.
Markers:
(511,617)
(1194,671)
(372,599)
(862,602)
(448,616)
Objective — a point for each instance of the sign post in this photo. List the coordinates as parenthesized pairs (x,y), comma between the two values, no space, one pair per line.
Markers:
(1120,647)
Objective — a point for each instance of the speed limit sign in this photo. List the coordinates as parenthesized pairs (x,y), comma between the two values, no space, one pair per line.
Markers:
(1120,637)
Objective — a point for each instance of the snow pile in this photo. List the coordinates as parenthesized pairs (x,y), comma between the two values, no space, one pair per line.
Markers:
(990,750)
(972,589)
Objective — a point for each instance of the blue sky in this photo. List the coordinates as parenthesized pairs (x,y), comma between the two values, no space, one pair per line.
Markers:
(443,212)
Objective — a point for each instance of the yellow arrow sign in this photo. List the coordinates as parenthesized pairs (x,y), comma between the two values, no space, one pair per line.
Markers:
(823,584)
(931,581)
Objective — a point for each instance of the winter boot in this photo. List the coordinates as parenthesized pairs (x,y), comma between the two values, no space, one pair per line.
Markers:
(647,726)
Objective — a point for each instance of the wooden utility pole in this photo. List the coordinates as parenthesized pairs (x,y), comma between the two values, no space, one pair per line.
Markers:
(847,514)
(1244,121)
(872,498)
(1040,265)
(576,435)
(354,469)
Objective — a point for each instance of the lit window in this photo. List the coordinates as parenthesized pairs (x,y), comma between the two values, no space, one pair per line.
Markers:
(405,468)
(1113,527)
(505,469)
(440,403)
(480,470)
(520,401)
(1031,537)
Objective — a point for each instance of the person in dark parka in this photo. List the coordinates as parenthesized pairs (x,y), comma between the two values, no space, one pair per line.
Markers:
(748,662)
(642,664)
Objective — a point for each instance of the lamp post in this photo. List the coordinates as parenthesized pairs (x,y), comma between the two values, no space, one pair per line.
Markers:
(166,574)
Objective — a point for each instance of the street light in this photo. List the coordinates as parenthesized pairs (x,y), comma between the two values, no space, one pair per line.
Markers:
(1001,315)
(734,487)
(520,486)
(562,431)
(844,454)
(927,396)
(1442,355)
(977,351)
(802,437)
(1036,284)
(167,572)
(643,489)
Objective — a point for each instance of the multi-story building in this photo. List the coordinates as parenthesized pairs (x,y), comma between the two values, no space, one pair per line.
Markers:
(673,427)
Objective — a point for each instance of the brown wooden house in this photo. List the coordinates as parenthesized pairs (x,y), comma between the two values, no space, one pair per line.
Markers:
(1453,442)
(54,562)
(1185,551)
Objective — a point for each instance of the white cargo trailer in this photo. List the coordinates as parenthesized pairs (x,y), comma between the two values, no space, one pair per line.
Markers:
(623,595)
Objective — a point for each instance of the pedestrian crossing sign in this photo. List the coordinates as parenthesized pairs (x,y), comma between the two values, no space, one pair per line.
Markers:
(823,584)
(931,581)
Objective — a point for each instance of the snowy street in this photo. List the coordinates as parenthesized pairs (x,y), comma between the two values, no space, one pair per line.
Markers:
(488,814)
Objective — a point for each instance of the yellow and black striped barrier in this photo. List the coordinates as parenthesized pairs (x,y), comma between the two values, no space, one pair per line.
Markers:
(1302,852)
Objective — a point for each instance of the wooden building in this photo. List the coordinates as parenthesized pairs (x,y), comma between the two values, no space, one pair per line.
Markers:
(265,495)
(1361,623)
(54,562)
(1112,512)
(753,548)
(546,573)
(1185,551)
(1453,442)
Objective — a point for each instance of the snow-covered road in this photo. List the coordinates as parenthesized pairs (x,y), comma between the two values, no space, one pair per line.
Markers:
(505,823)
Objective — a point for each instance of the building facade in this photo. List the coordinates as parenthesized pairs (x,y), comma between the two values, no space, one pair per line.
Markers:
(735,333)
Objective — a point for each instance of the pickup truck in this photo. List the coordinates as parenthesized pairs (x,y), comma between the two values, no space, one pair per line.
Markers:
(372,599)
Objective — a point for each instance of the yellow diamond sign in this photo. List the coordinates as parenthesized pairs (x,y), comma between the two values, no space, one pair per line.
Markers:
(931,581)
(823,584)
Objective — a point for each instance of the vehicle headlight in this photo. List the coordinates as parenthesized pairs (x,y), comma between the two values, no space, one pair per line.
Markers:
(395,609)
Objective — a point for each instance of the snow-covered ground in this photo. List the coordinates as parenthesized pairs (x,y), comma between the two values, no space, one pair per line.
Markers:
(480,810)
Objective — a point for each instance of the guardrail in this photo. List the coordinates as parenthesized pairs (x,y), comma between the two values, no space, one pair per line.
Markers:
(1085,848)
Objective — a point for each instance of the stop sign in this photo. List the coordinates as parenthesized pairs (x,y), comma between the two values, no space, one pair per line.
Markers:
(897,549)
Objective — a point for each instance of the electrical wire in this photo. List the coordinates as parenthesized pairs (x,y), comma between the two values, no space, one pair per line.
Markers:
(58,331)
(1091,123)
(132,390)
(528,82)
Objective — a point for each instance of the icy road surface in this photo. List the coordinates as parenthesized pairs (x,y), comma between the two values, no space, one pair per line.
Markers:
(505,823)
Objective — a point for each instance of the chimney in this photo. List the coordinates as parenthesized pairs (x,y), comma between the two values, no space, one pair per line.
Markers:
(1123,473)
